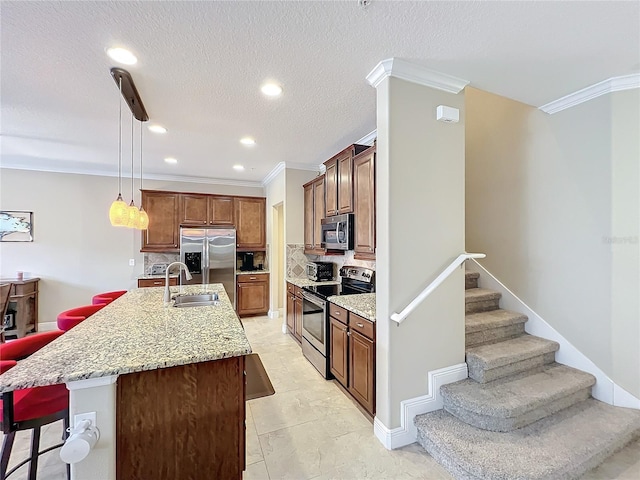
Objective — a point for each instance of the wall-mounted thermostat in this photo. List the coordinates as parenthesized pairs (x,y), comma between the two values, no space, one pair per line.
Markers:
(447,114)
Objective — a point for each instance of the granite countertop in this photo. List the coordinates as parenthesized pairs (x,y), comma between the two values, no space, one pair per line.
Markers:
(250,272)
(363,304)
(134,333)
(305,282)
(153,277)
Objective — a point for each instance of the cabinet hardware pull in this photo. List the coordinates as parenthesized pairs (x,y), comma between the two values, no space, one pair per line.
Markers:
(360,325)
(157,283)
(349,333)
(252,278)
(337,313)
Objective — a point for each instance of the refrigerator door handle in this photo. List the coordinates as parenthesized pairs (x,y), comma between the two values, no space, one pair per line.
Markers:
(205,260)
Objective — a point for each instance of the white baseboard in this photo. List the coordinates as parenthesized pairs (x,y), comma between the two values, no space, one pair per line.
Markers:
(407,433)
(605,389)
(274,314)
(47,326)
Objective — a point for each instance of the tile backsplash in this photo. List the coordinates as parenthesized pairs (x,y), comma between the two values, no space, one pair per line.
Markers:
(297,260)
(151,258)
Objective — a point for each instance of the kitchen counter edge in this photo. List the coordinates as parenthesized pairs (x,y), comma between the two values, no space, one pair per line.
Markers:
(363,304)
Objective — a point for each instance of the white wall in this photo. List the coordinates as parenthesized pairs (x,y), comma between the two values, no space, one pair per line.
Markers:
(275,192)
(546,194)
(420,230)
(76,252)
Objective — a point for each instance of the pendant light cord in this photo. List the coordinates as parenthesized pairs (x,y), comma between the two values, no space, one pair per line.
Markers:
(120,143)
(132,156)
(141,161)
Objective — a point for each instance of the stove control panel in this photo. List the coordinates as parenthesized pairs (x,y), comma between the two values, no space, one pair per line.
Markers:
(361,274)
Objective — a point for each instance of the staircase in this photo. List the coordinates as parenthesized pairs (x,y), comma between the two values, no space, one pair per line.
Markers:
(519,415)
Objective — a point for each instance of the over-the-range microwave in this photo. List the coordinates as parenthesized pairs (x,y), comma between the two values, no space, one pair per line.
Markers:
(337,232)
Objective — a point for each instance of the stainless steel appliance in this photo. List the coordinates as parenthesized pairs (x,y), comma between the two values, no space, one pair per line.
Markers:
(315,315)
(320,271)
(210,255)
(247,262)
(337,232)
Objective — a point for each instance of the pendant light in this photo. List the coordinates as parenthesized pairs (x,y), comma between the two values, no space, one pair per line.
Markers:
(143,218)
(118,211)
(132,211)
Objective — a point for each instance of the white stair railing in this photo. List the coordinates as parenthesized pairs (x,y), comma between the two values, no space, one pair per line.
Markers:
(399,317)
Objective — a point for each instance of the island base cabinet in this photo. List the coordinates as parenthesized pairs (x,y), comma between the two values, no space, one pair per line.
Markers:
(185,422)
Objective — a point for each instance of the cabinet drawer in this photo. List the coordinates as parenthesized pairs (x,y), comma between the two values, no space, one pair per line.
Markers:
(155,282)
(297,291)
(359,324)
(291,288)
(338,313)
(250,278)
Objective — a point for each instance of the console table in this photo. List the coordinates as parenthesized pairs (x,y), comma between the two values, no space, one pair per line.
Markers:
(23,303)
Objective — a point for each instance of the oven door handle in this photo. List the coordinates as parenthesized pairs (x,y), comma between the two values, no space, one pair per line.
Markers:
(313,299)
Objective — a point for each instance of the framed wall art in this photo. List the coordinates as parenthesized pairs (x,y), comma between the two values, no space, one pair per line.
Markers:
(16,226)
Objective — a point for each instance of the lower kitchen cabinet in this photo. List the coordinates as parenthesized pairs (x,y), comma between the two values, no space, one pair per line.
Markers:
(294,311)
(252,294)
(353,355)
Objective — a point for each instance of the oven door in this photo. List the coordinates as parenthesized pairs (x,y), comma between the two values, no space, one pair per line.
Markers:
(314,322)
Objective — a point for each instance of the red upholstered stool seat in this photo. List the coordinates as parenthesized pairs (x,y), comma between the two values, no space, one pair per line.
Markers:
(70,318)
(107,297)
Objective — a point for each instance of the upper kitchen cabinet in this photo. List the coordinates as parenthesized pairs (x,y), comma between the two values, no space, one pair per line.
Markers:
(199,210)
(364,196)
(250,221)
(163,232)
(314,210)
(339,181)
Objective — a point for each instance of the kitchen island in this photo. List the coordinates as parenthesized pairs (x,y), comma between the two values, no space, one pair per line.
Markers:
(178,404)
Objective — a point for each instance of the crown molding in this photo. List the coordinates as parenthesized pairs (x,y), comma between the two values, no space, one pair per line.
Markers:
(396,67)
(368,138)
(282,165)
(613,84)
(164,178)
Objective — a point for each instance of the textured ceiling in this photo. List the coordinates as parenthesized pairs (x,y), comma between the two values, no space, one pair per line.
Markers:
(201,64)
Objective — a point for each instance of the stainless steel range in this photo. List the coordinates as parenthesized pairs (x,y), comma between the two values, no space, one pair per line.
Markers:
(315,313)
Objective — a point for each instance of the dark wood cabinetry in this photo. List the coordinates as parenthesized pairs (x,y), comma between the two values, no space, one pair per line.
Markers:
(252,296)
(164,228)
(199,210)
(364,191)
(156,282)
(294,311)
(339,181)
(352,355)
(23,305)
(250,222)
(313,213)
(169,210)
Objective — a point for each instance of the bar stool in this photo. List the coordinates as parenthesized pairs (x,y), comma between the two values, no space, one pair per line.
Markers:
(107,298)
(70,318)
(30,408)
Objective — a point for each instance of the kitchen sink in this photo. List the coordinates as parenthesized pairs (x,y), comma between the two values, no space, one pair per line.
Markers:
(200,300)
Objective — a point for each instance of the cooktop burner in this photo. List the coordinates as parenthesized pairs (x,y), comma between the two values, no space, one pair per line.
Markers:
(324,291)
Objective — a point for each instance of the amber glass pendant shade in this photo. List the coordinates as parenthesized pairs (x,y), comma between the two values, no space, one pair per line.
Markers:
(143,220)
(119,212)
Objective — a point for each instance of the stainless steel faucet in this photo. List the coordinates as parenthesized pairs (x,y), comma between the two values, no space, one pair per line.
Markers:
(167,292)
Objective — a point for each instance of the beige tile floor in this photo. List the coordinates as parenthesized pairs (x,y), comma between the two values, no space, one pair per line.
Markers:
(310,430)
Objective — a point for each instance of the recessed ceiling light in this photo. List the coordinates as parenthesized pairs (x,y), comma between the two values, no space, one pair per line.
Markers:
(171,160)
(271,89)
(238,167)
(247,141)
(157,129)
(122,55)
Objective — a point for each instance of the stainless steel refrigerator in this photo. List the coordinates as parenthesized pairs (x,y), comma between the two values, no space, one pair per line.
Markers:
(210,255)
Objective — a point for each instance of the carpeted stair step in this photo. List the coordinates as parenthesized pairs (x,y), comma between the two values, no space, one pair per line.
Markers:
(481,300)
(519,400)
(562,446)
(490,362)
(493,326)
(471,280)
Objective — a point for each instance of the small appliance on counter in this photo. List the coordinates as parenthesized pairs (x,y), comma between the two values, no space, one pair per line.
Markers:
(159,268)
(320,271)
(247,262)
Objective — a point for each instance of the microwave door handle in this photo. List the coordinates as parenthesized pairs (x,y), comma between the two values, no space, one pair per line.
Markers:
(338,232)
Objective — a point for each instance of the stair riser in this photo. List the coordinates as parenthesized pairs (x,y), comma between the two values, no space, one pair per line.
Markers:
(493,335)
(470,283)
(482,306)
(479,373)
(502,424)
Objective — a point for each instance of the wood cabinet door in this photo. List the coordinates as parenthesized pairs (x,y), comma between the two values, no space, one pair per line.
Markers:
(297,309)
(291,314)
(193,209)
(250,220)
(361,370)
(318,212)
(162,234)
(331,187)
(364,205)
(345,184)
(338,349)
(221,211)
(253,298)
(308,216)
